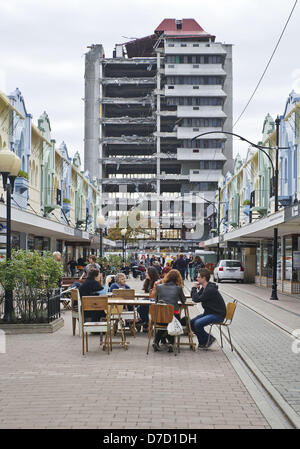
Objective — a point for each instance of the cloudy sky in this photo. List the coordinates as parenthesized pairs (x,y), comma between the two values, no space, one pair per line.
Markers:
(43,43)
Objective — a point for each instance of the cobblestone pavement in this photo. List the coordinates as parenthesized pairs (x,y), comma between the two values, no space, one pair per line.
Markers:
(45,382)
(269,347)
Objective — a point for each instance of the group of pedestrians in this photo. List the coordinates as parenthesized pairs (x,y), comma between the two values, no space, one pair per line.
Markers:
(188,267)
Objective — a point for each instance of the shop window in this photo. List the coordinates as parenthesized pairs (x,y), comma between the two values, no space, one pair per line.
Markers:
(296,259)
(267,260)
(258,255)
(288,259)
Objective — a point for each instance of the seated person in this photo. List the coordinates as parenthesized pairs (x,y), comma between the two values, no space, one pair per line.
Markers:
(213,304)
(120,282)
(151,277)
(92,286)
(169,290)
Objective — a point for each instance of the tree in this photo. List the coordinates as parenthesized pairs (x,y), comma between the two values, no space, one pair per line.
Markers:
(134,232)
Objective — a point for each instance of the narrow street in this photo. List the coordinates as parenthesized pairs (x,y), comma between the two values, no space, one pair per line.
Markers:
(262,335)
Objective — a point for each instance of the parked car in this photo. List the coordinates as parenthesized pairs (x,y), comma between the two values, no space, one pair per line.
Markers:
(231,270)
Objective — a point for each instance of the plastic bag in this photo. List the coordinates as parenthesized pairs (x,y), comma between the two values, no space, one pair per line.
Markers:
(174,328)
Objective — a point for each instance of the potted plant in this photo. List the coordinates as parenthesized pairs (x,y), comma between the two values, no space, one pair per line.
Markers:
(23,174)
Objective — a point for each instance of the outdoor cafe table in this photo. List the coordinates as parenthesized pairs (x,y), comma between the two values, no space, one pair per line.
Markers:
(146,302)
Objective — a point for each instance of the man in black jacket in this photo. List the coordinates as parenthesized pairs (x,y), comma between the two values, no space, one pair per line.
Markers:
(212,303)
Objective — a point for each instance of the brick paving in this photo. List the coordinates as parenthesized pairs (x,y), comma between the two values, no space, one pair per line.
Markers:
(269,347)
(45,382)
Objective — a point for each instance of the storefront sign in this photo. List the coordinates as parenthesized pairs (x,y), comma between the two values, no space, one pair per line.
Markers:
(69,230)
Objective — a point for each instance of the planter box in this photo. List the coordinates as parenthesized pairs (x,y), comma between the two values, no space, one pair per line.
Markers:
(21,185)
(44,328)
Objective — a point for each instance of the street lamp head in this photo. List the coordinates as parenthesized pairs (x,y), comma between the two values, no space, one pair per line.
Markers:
(123,232)
(9,163)
(16,166)
(192,231)
(100,221)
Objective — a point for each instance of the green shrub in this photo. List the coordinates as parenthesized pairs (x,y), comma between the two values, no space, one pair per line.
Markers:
(23,174)
(32,277)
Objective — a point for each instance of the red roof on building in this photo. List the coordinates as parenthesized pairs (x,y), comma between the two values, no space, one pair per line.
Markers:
(184,28)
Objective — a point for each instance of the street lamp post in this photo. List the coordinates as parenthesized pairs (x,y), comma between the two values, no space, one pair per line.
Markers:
(10,165)
(275,177)
(100,225)
(123,233)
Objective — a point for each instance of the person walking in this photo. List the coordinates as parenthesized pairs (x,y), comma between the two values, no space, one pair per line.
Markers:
(72,266)
(180,265)
(208,295)
(198,265)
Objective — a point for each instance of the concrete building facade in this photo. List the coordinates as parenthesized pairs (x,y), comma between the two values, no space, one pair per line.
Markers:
(144,106)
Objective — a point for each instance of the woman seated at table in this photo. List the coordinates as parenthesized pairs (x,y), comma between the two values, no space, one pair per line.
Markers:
(151,277)
(92,286)
(120,282)
(169,291)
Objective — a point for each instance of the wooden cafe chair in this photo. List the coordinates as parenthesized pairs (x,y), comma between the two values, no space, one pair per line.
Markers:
(160,316)
(95,303)
(230,310)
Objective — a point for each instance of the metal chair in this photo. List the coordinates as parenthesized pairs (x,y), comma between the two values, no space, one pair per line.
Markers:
(160,316)
(230,309)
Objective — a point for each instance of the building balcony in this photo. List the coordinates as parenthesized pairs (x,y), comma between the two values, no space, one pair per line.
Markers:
(201,112)
(184,132)
(166,177)
(189,90)
(194,69)
(193,48)
(21,185)
(285,200)
(200,154)
(205,175)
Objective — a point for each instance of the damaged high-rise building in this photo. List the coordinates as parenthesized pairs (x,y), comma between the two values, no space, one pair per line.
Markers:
(143,107)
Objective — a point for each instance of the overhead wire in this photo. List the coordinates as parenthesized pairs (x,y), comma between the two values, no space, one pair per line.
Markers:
(267,66)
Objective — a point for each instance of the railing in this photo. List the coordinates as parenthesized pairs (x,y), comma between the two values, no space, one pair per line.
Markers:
(33,306)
